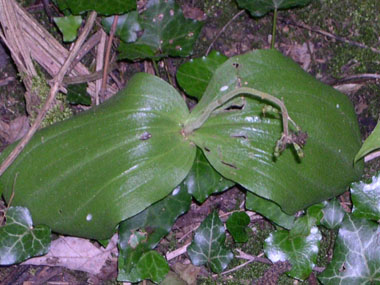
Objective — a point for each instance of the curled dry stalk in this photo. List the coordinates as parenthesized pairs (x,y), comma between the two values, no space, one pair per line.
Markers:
(297,139)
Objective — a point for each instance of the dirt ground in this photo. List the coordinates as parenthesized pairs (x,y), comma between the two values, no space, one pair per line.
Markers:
(299,36)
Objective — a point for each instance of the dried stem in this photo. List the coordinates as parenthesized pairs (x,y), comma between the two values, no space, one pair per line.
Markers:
(107,57)
(53,91)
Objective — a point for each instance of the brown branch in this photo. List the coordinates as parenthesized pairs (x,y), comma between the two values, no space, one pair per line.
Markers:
(355,78)
(329,35)
(222,30)
(53,91)
(107,57)
(88,77)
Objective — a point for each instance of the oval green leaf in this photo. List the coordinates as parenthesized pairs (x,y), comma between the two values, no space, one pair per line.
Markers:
(83,176)
(239,142)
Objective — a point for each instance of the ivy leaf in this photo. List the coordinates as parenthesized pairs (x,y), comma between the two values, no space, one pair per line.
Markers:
(356,258)
(371,144)
(19,240)
(203,180)
(269,209)
(109,7)
(152,266)
(68,26)
(237,226)
(194,75)
(166,33)
(77,94)
(259,8)
(208,245)
(302,226)
(333,214)
(127,26)
(141,233)
(316,212)
(366,199)
(300,250)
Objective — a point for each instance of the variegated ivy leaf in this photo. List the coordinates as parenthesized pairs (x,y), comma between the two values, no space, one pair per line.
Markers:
(333,214)
(356,257)
(300,250)
(208,245)
(19,240)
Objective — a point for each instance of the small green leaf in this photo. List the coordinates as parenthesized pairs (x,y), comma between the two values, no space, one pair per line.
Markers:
(301,251)
(152,266)
(356,258)
(19,240)
(203,180)
(302,226)
(208,245)
(237,226)
(315,211)
(194,75)
(68,26)
(166,33)
(366,199)
(127,26)
(77,94)
(141,233)
(109,7)
(371,144)
(333,214)
(259,8)
(269,209)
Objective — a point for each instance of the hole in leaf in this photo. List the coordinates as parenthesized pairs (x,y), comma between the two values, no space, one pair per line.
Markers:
(207,149)
(236,65)
(229,164)
(239,136)
(235,107)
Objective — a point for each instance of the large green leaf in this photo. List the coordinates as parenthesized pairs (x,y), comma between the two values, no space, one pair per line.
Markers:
(203,180)
(259,8)
(366,199)
(127,26)
(356,258)
(19,240)
(109,7)
(208,245)
(194,75)
(371,144)
(239,142)
(141,233)
(166,33)
(300,250)
(84,175)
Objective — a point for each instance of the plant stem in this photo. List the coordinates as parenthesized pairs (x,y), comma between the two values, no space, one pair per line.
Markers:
(155,67)
(197,123)
(274,27)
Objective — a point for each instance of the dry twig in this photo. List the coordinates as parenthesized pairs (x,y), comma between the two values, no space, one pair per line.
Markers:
(53,91)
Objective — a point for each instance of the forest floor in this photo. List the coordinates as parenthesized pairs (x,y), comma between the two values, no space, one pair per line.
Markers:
(299,36)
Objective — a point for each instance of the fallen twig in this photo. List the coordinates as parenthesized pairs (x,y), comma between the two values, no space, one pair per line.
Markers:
(107,56)
(371,156)
(53,91)
(329,35)
(222,30)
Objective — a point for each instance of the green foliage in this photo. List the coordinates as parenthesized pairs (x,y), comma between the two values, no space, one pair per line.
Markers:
(141,233)
(194,75)
(366,199)
(152,266)
(259,8)
(203,180)
(371,144)
(109,7)
(300,250)
(208,245)
(333,214)
(77,94)
(166,33)
(19,240)
(127,26)
(68,26)
(356,258)
(269,210)
(237,226)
